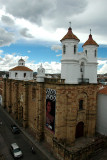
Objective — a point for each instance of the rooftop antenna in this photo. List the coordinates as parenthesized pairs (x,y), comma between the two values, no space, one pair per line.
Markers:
(70,24)
(90,31)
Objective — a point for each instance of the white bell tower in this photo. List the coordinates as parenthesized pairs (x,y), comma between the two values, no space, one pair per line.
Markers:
(90,50)
(78,67)
(69,63)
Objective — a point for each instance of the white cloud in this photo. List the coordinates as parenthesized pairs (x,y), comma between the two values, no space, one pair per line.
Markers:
(9,61)
(44,19)
(102,62)
(56,48)
(103,69)
(7,20)
(59,55)
(6,38)
(28,51)
(1,52)
(24,33)
(102,66)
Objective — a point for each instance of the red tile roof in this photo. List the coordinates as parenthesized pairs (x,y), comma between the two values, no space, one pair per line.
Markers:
(20,68)
(90,41)
(69,35)
(103,91)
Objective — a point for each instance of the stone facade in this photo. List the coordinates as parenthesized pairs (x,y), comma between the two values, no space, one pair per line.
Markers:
(26,102)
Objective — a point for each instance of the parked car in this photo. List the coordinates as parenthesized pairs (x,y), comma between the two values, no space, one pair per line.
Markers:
(15,151)
(15,129)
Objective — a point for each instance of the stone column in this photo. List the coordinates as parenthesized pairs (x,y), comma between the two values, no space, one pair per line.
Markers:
(4,93)
(91,123)
(25,104)
(16,100)
(39,104)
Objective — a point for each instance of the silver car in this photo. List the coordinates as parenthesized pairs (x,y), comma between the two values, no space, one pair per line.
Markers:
(15,150)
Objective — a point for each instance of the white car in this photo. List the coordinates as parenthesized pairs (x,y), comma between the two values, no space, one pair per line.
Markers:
(15,150)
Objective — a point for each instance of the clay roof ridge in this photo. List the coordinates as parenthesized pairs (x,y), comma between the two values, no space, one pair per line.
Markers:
(20,68)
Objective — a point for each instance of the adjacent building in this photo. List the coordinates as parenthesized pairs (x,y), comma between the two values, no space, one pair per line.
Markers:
(101,126)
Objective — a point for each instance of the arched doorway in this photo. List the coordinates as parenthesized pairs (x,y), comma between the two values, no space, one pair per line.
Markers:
(79,130)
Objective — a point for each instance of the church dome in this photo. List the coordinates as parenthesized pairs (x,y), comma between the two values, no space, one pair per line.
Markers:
(21,60)
(69,35)
(90,41)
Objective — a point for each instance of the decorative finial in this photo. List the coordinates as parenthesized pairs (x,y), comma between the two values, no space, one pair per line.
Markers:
(90,31)
(70,24)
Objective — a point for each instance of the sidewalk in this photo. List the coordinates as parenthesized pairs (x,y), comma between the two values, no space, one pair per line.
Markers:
(39,145)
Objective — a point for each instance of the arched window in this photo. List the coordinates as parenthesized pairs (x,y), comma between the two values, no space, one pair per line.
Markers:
(16,74)
(24,74)
(86,52)
(95,53)
(64,49)
(75,49)
(80,104)
(82,67)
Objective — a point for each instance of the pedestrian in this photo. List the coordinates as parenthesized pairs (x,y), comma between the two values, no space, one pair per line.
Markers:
(32,150)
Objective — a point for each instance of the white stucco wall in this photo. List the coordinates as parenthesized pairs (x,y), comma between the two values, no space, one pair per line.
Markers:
(91,52)
(70,72)
(91,72)
(20,75)
(101,125)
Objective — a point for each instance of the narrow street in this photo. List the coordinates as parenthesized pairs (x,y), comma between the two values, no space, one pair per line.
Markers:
(7,137)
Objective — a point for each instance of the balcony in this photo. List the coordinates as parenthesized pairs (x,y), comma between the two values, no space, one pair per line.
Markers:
(83,81)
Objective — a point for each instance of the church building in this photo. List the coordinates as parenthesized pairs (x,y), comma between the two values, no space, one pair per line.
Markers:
(58,111)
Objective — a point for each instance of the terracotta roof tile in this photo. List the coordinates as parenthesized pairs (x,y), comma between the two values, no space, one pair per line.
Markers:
(103,91)
(69,35)
(90,41)
(20,68)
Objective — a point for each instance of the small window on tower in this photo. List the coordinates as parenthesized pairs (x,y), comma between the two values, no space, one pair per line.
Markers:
(16,74)
(95,53)
(80,104)
(86,52)
(24,74)
(64,49)
(75,49)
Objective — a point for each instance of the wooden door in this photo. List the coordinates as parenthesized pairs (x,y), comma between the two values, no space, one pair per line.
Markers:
(79,130)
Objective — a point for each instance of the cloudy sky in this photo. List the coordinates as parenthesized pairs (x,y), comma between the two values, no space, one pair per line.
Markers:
(33,29)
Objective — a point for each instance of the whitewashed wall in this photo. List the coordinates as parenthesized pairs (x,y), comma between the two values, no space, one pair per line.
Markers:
(20,75)
(101,125)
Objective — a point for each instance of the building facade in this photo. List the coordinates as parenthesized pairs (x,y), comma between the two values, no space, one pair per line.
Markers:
(58,110)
